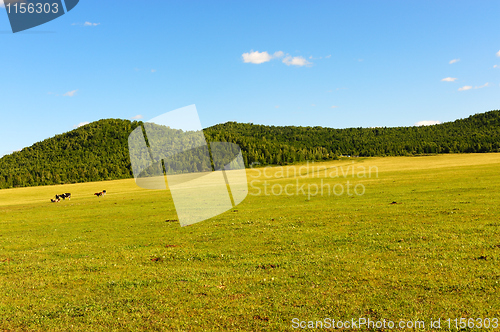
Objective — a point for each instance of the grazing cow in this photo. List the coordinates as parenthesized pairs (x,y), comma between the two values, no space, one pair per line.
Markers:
(57,200)
(99,194)
(104,192)
(64,196)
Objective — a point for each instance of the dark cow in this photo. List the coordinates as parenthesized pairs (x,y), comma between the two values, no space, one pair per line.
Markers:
(99,194)
(64,196)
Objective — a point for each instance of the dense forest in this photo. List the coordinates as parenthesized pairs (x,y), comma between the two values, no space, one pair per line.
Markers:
(284,145)
(96,151)
(99,150)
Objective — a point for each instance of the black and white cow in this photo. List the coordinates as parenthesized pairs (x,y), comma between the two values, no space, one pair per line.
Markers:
(64,196)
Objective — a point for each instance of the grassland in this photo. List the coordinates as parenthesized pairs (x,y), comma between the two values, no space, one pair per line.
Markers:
(119,263)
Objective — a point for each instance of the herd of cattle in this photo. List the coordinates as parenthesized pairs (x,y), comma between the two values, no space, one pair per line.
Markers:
(68,196)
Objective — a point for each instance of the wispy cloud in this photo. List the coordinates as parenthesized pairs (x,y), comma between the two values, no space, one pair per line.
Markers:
(70,93)
(260,57)
(296,61)
(137,117)
(427,123)
(257,57)
(498,53)
(87,24)
(319,58)
(449,79)
(2,4)
(482,86)
(67,94)
(334,106)
(81,124)
(277,106)
(146,70)
(495,66)
(469,87)
(453,61)
(278,54)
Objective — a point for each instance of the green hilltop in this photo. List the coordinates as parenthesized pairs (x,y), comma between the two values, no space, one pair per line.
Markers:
(99,150)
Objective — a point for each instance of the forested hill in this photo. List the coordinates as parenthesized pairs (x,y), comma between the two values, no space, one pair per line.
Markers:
(99,150)
(93,152)
(281,145)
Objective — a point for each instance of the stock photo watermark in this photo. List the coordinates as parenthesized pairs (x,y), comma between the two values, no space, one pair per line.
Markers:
(27,14)
(387,324)
(311,180)
(204,179)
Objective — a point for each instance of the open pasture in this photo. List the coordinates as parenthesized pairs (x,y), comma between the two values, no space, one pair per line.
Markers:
(121,262)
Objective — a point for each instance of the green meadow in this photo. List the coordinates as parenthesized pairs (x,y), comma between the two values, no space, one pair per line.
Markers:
(414,239)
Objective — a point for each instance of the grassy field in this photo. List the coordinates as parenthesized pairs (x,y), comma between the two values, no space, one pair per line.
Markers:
(421,243)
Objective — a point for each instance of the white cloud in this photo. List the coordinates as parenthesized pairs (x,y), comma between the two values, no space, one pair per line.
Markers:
(449,79)
(313,105)
(70,93)
(468,87)
(81,124)
(137,117)
(153,70)
(2,4)
(495,66)
(427,123)
(277,106)
(453,61)
(328,56)
(257,57)
(334,106)
(295,61)
(86,24)
(498,53)
(482,86)
(260,57)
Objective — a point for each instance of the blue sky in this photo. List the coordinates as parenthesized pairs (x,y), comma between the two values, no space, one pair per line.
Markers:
(310,63)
